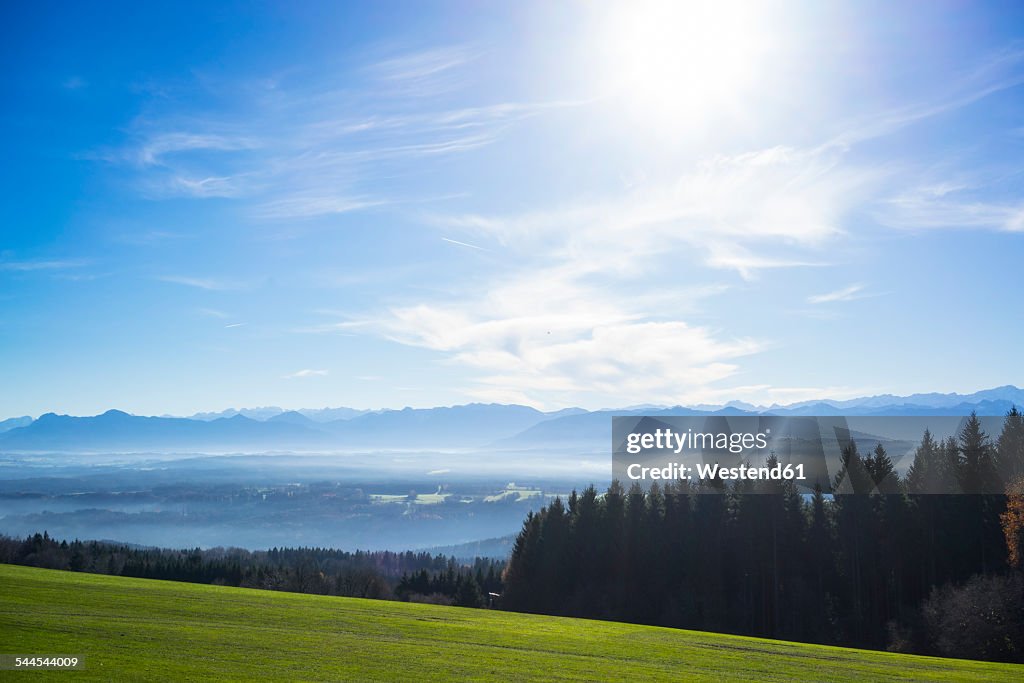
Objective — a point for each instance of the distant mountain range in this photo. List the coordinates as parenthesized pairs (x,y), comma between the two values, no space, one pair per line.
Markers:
(271,412)
(14,423)
(472,425)
(424,428)
(118,431)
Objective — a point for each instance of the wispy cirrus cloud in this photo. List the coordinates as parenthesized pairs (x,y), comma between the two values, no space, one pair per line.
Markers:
(584,302)
(950,206)
(748,264)
(423,64)
(224,186)
(463,244)
(345,328)
(207,283)
(305,149)
(586,297)
(426,72)
(211,313)
(570,312)
(1002,71)
(304,205)
(849,293)
(34,265)
(300,374)
(156,150)
(744,213)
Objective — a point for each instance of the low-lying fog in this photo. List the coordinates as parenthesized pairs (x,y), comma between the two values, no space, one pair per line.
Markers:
(393,500)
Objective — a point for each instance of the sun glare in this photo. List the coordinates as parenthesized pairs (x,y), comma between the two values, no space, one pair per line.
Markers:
(681,60)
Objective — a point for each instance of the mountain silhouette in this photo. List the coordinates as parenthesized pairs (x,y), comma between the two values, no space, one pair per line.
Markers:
(472,425)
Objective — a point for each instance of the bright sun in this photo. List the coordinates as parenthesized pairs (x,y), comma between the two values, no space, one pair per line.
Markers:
(681,60)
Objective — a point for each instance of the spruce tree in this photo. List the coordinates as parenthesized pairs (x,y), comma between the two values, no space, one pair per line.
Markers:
(924,473)
(1010,448)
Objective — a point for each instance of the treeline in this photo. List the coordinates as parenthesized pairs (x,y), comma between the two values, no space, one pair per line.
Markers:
(320,571)
(898,569)
(451,587)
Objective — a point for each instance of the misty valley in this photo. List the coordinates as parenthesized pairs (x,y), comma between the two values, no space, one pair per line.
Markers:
(407,479)
(259,502)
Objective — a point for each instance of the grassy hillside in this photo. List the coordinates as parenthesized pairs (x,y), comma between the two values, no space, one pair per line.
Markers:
(131,629)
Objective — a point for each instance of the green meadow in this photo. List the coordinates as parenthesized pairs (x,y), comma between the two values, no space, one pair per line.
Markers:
(135,629)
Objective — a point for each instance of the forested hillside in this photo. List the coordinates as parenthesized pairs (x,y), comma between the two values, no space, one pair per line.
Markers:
(905,570)
(416,576)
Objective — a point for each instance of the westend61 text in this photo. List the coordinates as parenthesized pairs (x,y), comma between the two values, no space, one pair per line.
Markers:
(676,471)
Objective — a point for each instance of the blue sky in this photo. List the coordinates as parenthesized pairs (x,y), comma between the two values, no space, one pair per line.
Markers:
(209,205)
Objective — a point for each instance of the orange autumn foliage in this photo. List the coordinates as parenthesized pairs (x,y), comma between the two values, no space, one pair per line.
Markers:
(1013,523)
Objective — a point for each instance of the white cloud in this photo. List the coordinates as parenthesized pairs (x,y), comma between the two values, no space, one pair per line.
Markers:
(950,206)
(205,187)
(305,147)
(746,263)
(776,208)
(570,317)
(552,337)
(426,73)
(208,283)
(589,301)
(41,265)
(156,149)
(304,206)
(1000,72)
(845,294)
(586,306)
(307,373)
(419,65)
(464,244)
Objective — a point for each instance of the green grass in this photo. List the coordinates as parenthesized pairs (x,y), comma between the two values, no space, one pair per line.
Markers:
(134,629)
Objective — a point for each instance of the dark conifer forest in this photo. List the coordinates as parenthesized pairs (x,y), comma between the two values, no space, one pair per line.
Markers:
(413,576)
(900,569)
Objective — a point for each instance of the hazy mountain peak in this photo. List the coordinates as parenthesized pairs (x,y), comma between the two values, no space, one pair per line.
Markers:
(468,425)
(14,423)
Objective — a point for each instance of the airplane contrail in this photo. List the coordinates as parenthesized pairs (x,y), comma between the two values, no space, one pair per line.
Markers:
(464,244)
